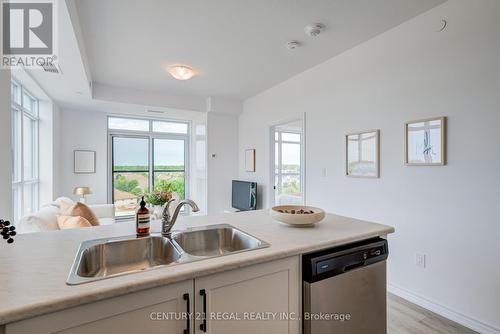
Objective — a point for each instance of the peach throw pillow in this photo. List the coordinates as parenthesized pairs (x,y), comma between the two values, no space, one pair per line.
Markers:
(66,222)
(82,210)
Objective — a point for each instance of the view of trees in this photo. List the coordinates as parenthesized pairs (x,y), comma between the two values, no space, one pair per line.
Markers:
(128,186)
(175,184)
(145,168)
(170,179)
(291,187)
(289,168)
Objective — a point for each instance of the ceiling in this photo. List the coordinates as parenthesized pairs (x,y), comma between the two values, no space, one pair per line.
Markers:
(237,46)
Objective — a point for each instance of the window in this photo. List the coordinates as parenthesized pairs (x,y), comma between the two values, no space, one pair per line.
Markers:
(145,155)
(129,124)
(288,163)
(169,127)
(25,179)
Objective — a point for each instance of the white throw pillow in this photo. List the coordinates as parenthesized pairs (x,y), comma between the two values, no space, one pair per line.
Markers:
(43,220)
(65,200)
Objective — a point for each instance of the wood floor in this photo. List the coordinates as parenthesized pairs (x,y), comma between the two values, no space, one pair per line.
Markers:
(405,317)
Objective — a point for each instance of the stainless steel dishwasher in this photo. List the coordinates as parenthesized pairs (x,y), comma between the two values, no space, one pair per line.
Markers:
(344,289)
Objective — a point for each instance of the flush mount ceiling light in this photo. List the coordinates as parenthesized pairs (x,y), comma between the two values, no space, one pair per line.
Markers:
(181,72)
(314,29)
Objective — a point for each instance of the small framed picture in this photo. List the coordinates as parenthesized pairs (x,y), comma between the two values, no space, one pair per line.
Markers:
(84,162)
(363,154)
(250,160)
(425,142)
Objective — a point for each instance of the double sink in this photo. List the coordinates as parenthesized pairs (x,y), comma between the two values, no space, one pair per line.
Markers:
(105,258)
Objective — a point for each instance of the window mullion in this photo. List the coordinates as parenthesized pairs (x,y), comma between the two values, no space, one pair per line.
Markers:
(151,161)
(280,165)
(29,115)
(21,211)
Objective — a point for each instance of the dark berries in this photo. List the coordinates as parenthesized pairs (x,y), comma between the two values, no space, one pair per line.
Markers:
(6,231)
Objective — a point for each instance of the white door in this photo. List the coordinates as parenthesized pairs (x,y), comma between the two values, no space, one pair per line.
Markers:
(288,163)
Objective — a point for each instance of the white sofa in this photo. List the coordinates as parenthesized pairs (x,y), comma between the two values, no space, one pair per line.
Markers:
(46,218)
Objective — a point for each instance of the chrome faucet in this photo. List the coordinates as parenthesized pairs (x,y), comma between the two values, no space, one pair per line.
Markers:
(168,220)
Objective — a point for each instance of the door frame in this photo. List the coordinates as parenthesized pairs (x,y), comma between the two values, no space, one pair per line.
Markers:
(302,118)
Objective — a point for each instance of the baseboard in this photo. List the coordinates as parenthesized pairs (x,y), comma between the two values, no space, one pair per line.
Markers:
(443,311)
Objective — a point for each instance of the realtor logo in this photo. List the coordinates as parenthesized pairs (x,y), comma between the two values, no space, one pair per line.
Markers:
(28,30)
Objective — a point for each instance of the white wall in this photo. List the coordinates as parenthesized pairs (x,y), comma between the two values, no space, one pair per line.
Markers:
(57,147)
(46,153)
(49,148)
(5,147)
(84,130)
(198,162)
(222,159)
(449,213)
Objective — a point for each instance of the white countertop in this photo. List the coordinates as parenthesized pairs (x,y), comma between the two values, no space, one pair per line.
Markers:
(34,269)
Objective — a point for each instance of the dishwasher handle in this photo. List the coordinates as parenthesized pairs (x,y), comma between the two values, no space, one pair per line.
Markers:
(354,266)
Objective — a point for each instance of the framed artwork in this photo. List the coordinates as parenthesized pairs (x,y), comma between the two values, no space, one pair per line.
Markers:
(425,142)
(84,162)
(250,160)
(363,154)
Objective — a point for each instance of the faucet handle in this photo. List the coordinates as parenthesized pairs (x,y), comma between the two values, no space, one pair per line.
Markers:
(166,210)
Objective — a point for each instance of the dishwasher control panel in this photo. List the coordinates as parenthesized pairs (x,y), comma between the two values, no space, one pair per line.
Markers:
(339,260)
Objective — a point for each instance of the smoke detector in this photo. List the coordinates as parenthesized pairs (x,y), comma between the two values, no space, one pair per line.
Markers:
(292,45)
(314,29)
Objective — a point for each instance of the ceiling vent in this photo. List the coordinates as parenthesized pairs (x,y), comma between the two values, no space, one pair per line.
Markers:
(51,68)
(156,111)
(314,29)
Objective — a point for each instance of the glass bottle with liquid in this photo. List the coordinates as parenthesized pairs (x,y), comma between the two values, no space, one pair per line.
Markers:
(142,221)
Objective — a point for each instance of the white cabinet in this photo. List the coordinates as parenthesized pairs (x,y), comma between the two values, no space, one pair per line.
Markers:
(151,311)
(236,301)
(263,298)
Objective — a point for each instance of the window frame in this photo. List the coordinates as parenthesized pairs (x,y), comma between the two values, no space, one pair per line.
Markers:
(278,176)
(151,136)
(20,183)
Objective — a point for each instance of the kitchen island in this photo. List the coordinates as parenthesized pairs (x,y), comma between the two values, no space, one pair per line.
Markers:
(33,272)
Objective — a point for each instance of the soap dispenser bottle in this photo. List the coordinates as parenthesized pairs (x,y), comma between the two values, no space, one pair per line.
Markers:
(142,221)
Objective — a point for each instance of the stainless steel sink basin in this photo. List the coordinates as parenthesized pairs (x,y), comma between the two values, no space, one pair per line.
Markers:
(105,258)
(216,241)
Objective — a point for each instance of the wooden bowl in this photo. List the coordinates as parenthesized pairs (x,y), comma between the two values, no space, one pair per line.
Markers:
(297,219)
